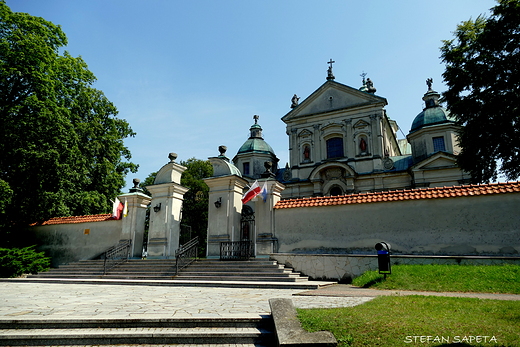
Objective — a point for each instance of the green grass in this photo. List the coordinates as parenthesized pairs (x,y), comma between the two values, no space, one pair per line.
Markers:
(446,278)
(405,320)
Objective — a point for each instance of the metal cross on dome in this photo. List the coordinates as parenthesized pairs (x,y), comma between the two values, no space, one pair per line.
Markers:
(330,76)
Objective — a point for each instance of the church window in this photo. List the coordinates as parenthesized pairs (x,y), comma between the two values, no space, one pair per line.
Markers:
(438,144)
(335,191)
(245,168)
(335,147)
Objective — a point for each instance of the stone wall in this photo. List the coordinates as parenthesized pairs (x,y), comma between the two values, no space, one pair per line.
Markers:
(66,243)
(472,225)
(343,267)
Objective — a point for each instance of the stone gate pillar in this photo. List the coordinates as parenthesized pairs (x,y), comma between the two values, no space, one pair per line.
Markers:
(165,212)
(226,188)
(134,222)
(266,241)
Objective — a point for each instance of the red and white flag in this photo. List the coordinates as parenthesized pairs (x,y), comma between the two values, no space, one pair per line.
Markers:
(251,193)
(117,209)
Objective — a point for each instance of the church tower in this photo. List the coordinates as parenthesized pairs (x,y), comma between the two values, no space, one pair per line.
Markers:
(433,138)
(254,153)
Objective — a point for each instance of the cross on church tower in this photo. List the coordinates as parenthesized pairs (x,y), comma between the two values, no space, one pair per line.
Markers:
(330,76)
(364,74)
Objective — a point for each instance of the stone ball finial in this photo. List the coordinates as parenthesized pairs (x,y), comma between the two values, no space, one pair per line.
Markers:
(222,149)
(136,182)
(172,156)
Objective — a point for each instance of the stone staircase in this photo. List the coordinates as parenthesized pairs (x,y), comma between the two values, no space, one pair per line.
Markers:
(132,269)
(254,273)
(257,270)
(138,332)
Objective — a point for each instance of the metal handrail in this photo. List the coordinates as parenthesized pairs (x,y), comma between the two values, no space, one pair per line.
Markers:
(116,255)
(186,254)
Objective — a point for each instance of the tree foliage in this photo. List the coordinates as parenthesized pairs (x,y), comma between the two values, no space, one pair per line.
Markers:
(483,78)
(195,205)
(61,143)
(18,261)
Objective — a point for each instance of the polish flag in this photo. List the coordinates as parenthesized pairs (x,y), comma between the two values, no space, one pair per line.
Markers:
(117,209)
(251,193)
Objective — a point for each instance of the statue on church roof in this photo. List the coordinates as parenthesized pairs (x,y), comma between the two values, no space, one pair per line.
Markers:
(429,83)
(255,117)
(370,86)
(294,101)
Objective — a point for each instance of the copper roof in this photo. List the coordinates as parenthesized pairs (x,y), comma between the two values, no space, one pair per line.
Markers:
(76,219)
(407,194)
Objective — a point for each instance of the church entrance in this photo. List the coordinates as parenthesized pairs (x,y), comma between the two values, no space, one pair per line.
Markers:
(245,248)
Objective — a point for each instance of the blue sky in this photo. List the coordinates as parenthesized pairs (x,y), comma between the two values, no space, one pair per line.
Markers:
(189,75)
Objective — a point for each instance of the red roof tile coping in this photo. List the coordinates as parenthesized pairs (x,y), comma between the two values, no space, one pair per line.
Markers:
(406,194)
(76,219)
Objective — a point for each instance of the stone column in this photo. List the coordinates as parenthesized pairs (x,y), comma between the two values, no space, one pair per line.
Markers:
(165,213)
(133,223)
(264,218)
(225,207)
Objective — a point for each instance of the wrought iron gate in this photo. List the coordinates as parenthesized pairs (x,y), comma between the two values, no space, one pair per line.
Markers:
(245,248)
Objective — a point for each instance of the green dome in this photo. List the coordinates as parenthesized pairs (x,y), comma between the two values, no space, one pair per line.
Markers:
(257,145)
(433,113)
(431,116)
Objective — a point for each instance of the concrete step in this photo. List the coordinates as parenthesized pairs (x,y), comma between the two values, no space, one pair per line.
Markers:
(241,279)
(190,272)
(304,285)
(196,265)
(188,331)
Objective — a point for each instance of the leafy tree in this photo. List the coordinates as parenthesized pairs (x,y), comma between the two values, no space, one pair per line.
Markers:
(61,143)
(483,78)
(195,206)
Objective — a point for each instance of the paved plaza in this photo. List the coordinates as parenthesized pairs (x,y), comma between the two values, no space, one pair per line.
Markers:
(57,301)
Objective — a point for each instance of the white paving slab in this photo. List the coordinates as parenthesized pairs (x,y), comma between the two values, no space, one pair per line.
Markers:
(44,300)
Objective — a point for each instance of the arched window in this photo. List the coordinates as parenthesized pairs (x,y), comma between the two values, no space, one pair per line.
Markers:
(335,147)
(335,191)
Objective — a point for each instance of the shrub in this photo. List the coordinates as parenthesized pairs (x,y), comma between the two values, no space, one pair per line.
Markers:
(15,262)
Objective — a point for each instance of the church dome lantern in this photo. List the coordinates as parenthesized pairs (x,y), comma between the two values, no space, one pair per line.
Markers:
(433,113)
(254,153)
(255,142)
